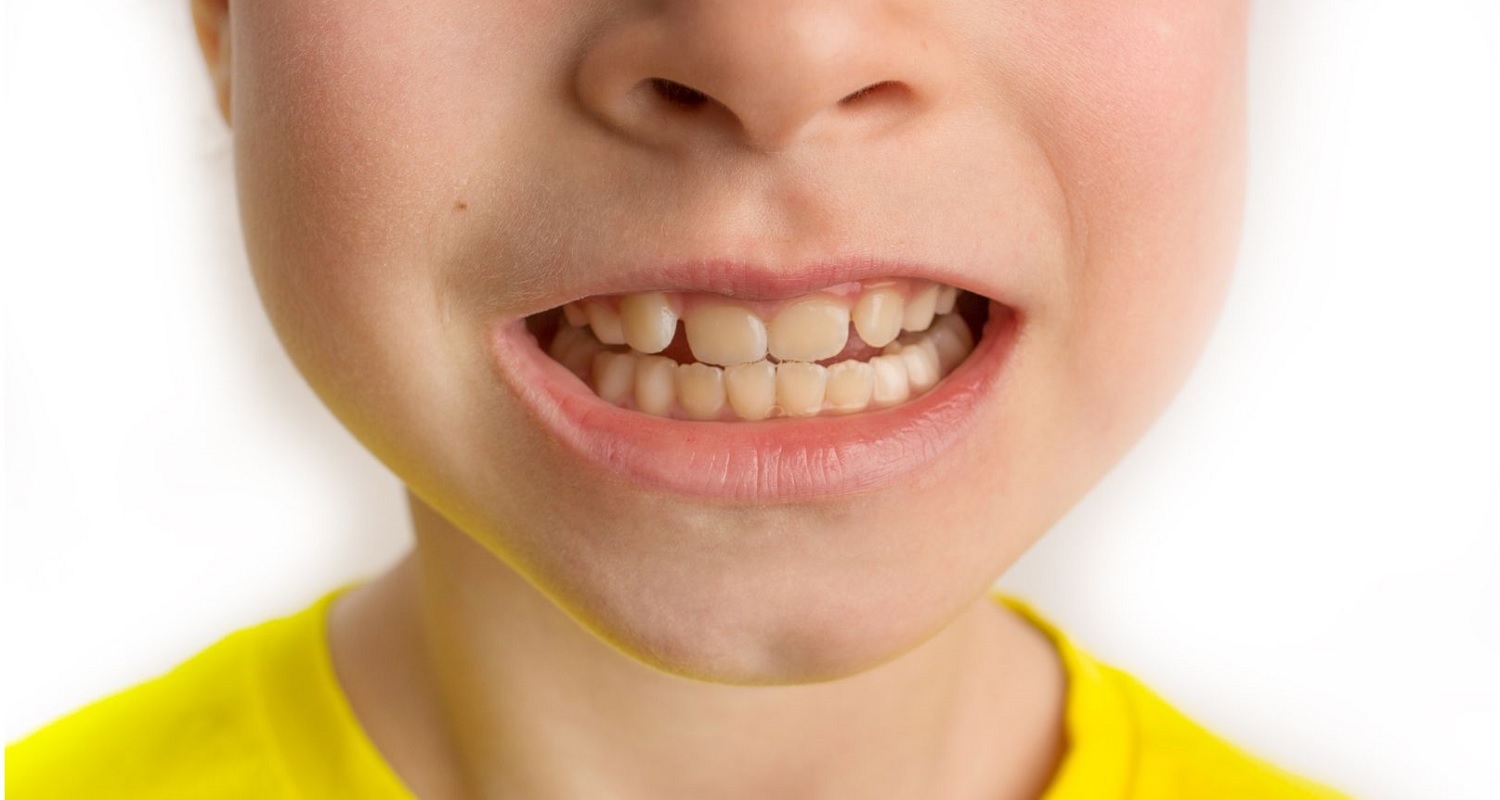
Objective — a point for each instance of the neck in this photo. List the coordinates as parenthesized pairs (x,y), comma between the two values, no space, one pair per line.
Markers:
(473,684)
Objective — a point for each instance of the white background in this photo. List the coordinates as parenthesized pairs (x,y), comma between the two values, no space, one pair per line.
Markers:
(1302,554)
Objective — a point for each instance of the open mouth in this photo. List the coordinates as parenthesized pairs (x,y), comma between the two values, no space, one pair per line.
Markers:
(738,398)
(852,348)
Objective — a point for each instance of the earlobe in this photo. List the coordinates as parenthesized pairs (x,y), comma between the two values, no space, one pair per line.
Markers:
(211,22)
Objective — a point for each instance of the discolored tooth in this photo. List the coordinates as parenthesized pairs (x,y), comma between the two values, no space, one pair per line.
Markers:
(724,334)
(655,384)
(577,317)
(648,321)
(810,329)
(877,316)
(850,384)
(921,365)
(891,386)
(799,388)
(947,297)
(751,389)
(917,315)
(951,336)
(614,376)
(605,322)
(700,390)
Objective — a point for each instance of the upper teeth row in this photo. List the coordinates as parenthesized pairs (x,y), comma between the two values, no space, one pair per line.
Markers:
(725,333)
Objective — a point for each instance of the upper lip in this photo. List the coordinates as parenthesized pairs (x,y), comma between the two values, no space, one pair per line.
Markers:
(758,281)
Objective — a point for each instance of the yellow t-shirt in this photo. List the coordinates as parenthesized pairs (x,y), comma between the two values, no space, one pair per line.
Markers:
(260,714)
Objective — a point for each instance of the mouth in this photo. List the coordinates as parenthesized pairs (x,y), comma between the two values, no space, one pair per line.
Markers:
(823,393)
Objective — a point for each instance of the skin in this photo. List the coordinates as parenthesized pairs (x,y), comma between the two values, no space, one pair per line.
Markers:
(412,174)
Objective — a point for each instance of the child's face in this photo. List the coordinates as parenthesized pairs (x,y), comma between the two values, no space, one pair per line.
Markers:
(418,179)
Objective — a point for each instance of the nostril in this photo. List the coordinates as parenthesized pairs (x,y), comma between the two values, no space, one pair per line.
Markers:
(869,92)
(678,94)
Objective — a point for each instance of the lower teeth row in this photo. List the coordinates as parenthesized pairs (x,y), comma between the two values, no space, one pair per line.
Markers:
(905,369)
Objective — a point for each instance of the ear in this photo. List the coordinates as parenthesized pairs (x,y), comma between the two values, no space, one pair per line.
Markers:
(211,21)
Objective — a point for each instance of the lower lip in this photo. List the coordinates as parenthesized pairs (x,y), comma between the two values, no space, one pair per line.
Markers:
(772,460)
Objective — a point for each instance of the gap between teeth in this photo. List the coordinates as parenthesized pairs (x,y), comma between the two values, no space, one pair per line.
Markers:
(745,368)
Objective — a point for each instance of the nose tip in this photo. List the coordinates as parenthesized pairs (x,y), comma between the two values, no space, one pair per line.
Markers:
(763,74)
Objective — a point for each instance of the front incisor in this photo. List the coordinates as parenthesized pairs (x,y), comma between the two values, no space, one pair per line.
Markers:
(850,384)
(799,388)
(810,329)
(724,334)
(751,389)
(700,390)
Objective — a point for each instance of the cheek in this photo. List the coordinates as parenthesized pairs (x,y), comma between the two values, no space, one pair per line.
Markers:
(352,159)
(1143,115)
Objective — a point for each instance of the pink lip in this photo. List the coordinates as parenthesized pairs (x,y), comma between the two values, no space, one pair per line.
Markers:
(751,280)
(779,459)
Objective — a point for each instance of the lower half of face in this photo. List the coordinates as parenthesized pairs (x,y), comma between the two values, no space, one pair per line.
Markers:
(761,338)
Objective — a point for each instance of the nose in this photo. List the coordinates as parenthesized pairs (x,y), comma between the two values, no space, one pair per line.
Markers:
(765,74)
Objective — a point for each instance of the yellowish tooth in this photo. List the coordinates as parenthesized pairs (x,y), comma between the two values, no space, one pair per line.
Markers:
(655,384)
(950,335)
(700,390)
(850,385)
(921,365)
(809,329)
(799,388)
(877,316)
(947,297)
(917,315)
(614,376)
(605,322)
(891,385)
(577,317)
(724,334)
(648,321)
(751,389)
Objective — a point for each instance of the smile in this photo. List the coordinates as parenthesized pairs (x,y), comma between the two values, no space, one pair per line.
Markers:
(829,392)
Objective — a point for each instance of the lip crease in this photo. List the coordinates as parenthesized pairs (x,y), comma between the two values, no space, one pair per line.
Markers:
(749,462)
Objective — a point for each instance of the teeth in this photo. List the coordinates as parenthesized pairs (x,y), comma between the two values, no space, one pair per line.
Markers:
(753,370)
(655,379)
(751,389)
(648,321)
(811,329)
(700,390)
(921,365)
(917,315)
(614,376)
(850,384)
(724,334)
(947,297)
(877,316)
(891,386)
(950,335)
(605,323)
(799,388)
(575,349)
